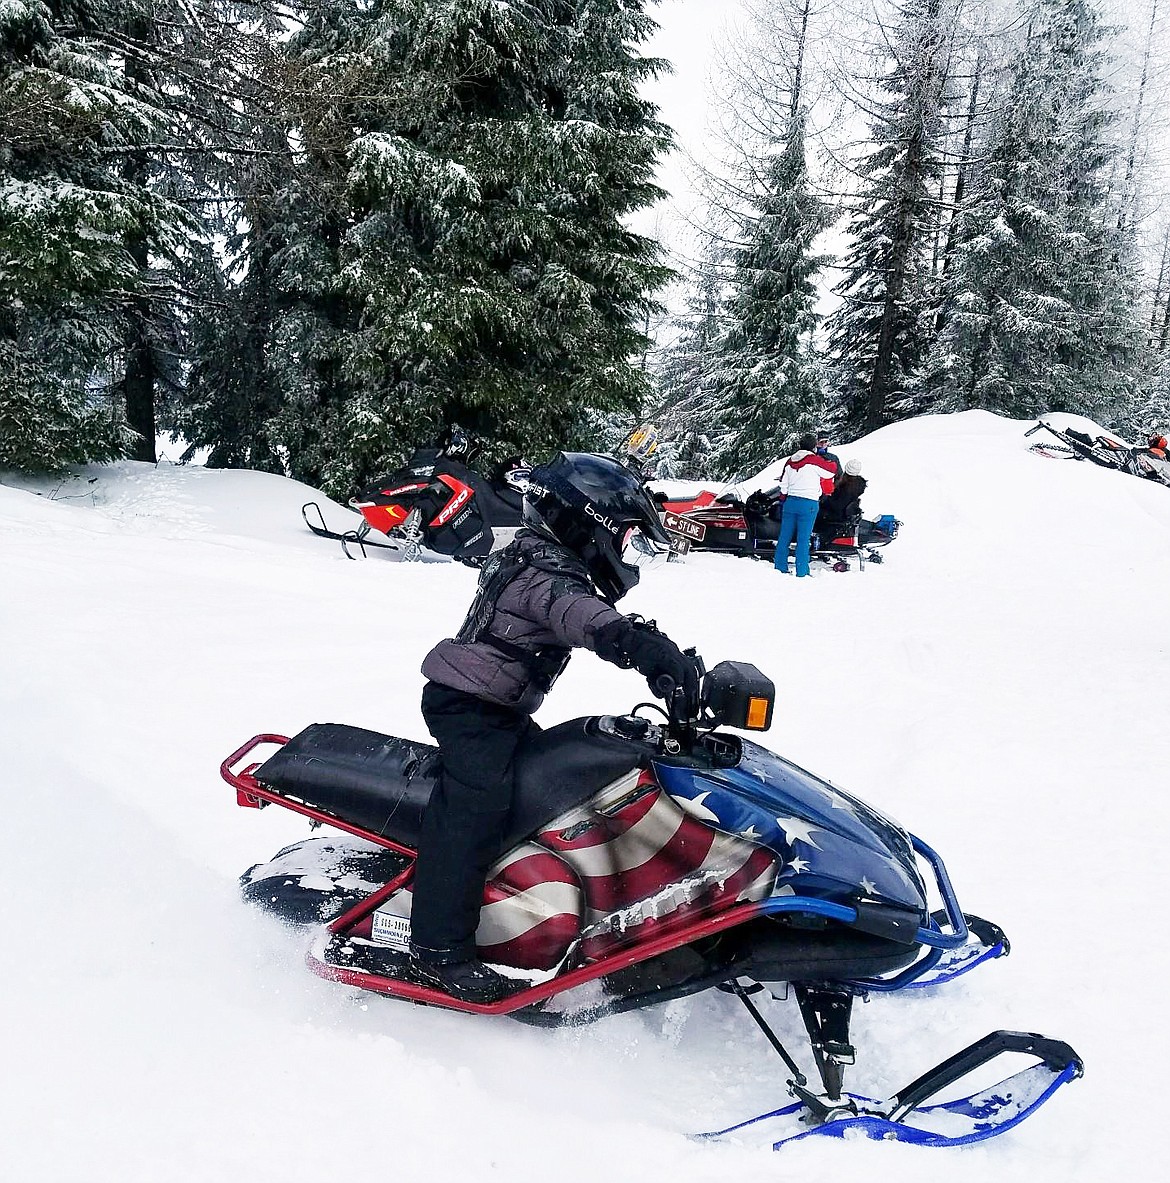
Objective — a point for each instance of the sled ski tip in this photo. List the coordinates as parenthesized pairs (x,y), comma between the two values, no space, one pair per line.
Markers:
(985,942)
(358,537)
(984,1114)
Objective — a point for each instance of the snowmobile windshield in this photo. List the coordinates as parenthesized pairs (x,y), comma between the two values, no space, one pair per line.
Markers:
(641,551)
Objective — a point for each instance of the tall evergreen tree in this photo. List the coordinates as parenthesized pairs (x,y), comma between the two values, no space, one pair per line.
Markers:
(684,407)
(75,223)
(453,245)
(766,378)
(253,196)
(748,389)
(185,58)
(879,335)
(1039,310)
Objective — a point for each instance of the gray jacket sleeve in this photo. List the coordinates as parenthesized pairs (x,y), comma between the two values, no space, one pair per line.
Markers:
(571,614)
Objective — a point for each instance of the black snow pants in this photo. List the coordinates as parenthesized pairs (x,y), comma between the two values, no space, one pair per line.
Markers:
(465,817)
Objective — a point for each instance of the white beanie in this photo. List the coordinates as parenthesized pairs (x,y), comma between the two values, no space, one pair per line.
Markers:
(853,468)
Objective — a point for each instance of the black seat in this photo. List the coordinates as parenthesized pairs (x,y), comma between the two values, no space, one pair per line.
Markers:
(382,783)
(501,507)
(829,529)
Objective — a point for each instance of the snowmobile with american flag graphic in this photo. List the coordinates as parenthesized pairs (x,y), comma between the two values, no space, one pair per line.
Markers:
(647,859)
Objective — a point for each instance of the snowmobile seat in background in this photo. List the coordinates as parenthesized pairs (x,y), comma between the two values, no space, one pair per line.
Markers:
(837,535)
(501,507)
(383,783)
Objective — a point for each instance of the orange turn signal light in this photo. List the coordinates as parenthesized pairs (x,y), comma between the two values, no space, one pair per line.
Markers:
(757,714)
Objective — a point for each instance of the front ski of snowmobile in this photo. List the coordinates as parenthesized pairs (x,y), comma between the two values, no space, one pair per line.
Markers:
(358,537)
(906,1116)
(700,885)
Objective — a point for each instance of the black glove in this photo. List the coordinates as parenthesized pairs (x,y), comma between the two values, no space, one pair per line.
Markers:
(655,656)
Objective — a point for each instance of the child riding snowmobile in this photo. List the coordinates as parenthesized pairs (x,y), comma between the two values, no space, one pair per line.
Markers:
(589,527)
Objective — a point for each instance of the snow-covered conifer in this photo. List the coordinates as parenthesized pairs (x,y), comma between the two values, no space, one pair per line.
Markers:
(457,250)
(766,380)
(881,331)
(1039,312)
(76,222)
(743,380)
(685,407)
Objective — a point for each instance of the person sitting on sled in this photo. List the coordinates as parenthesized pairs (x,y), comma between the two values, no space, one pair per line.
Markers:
(589,528)
(843,504)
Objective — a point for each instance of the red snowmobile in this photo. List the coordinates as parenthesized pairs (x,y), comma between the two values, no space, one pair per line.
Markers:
(725,523)
(437,502)
(1149,463)
(645,861)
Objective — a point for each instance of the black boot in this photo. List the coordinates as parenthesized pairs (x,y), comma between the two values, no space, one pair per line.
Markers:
(468,981)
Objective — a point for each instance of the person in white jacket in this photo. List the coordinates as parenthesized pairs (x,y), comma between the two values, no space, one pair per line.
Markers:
(805,479)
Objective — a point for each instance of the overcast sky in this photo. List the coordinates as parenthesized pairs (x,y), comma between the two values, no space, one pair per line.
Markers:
(687,33)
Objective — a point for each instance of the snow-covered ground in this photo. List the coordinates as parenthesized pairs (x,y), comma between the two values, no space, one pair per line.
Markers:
(1000,685)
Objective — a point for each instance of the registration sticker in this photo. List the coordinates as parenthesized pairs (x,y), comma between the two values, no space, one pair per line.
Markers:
(391,929)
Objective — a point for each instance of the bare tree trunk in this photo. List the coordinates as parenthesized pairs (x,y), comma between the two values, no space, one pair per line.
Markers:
(1129,194)
(964,165)
(138,383)
(1161,296)
(798,68)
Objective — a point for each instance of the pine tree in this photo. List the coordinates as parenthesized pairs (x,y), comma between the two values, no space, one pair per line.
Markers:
(453,246)
(1039,310)
(879,335)
(766,382)
(73,221)
(684,407)
(745,380)
(252,195)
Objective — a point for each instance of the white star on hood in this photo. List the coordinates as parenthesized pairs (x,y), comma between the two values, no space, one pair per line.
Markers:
(796,829)
(695,807)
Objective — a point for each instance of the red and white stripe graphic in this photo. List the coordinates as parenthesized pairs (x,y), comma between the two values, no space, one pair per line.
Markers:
(644,862)
(532,910)
(626,866)
(530,916)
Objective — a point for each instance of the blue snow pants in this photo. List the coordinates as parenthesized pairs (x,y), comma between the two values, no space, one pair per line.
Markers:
(796,523)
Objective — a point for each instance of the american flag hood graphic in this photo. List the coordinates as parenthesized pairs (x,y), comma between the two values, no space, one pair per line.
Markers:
(830,844)
(657,847)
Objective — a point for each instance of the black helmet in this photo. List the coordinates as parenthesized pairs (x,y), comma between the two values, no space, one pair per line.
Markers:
(598,509)
(456,444)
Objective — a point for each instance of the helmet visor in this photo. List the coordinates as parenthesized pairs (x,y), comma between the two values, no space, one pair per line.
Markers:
(641,551)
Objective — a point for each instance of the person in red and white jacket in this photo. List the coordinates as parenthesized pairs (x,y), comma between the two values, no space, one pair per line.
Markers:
(805,479)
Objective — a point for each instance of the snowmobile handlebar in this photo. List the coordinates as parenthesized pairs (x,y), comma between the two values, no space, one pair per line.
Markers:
(680,713)
(731,694)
